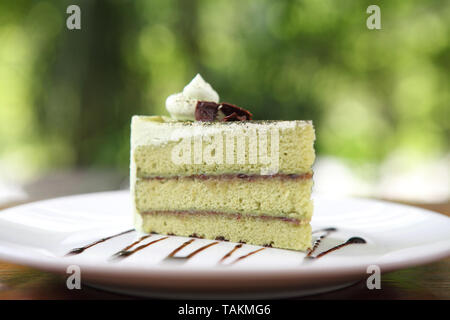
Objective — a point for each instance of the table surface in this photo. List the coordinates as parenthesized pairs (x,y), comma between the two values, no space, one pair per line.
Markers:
(430,281)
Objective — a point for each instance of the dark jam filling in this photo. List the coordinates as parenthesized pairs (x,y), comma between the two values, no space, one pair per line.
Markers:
(236,216)
(249,177)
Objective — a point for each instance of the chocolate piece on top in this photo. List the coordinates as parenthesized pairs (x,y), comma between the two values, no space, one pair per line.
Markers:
(234,113)
(208,111)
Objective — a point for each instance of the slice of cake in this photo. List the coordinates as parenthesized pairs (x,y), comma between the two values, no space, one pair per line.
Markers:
(210,171)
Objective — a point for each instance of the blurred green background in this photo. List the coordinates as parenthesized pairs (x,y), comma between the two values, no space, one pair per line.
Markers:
(379,98)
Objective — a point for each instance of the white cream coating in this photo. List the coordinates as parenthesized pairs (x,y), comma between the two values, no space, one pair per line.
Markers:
(199,89)
(157,130)
(181,106)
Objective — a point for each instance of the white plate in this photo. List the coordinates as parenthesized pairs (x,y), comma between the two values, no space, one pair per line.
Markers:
(40,235)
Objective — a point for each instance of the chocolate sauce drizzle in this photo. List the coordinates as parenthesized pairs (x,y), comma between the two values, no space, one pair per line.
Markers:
(247,255)
(125,252)
(236,247)
(187,257)
(82,249)
(317,242)
(352,240)
(326,233)
(174,252)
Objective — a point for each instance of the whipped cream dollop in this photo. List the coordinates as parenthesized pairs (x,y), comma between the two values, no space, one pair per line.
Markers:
(181,106)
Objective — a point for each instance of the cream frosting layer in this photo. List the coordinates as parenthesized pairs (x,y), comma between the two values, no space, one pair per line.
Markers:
(157,130)
(181,106)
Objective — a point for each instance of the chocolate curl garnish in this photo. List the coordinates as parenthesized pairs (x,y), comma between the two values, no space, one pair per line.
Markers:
(234,113)
(208,111)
